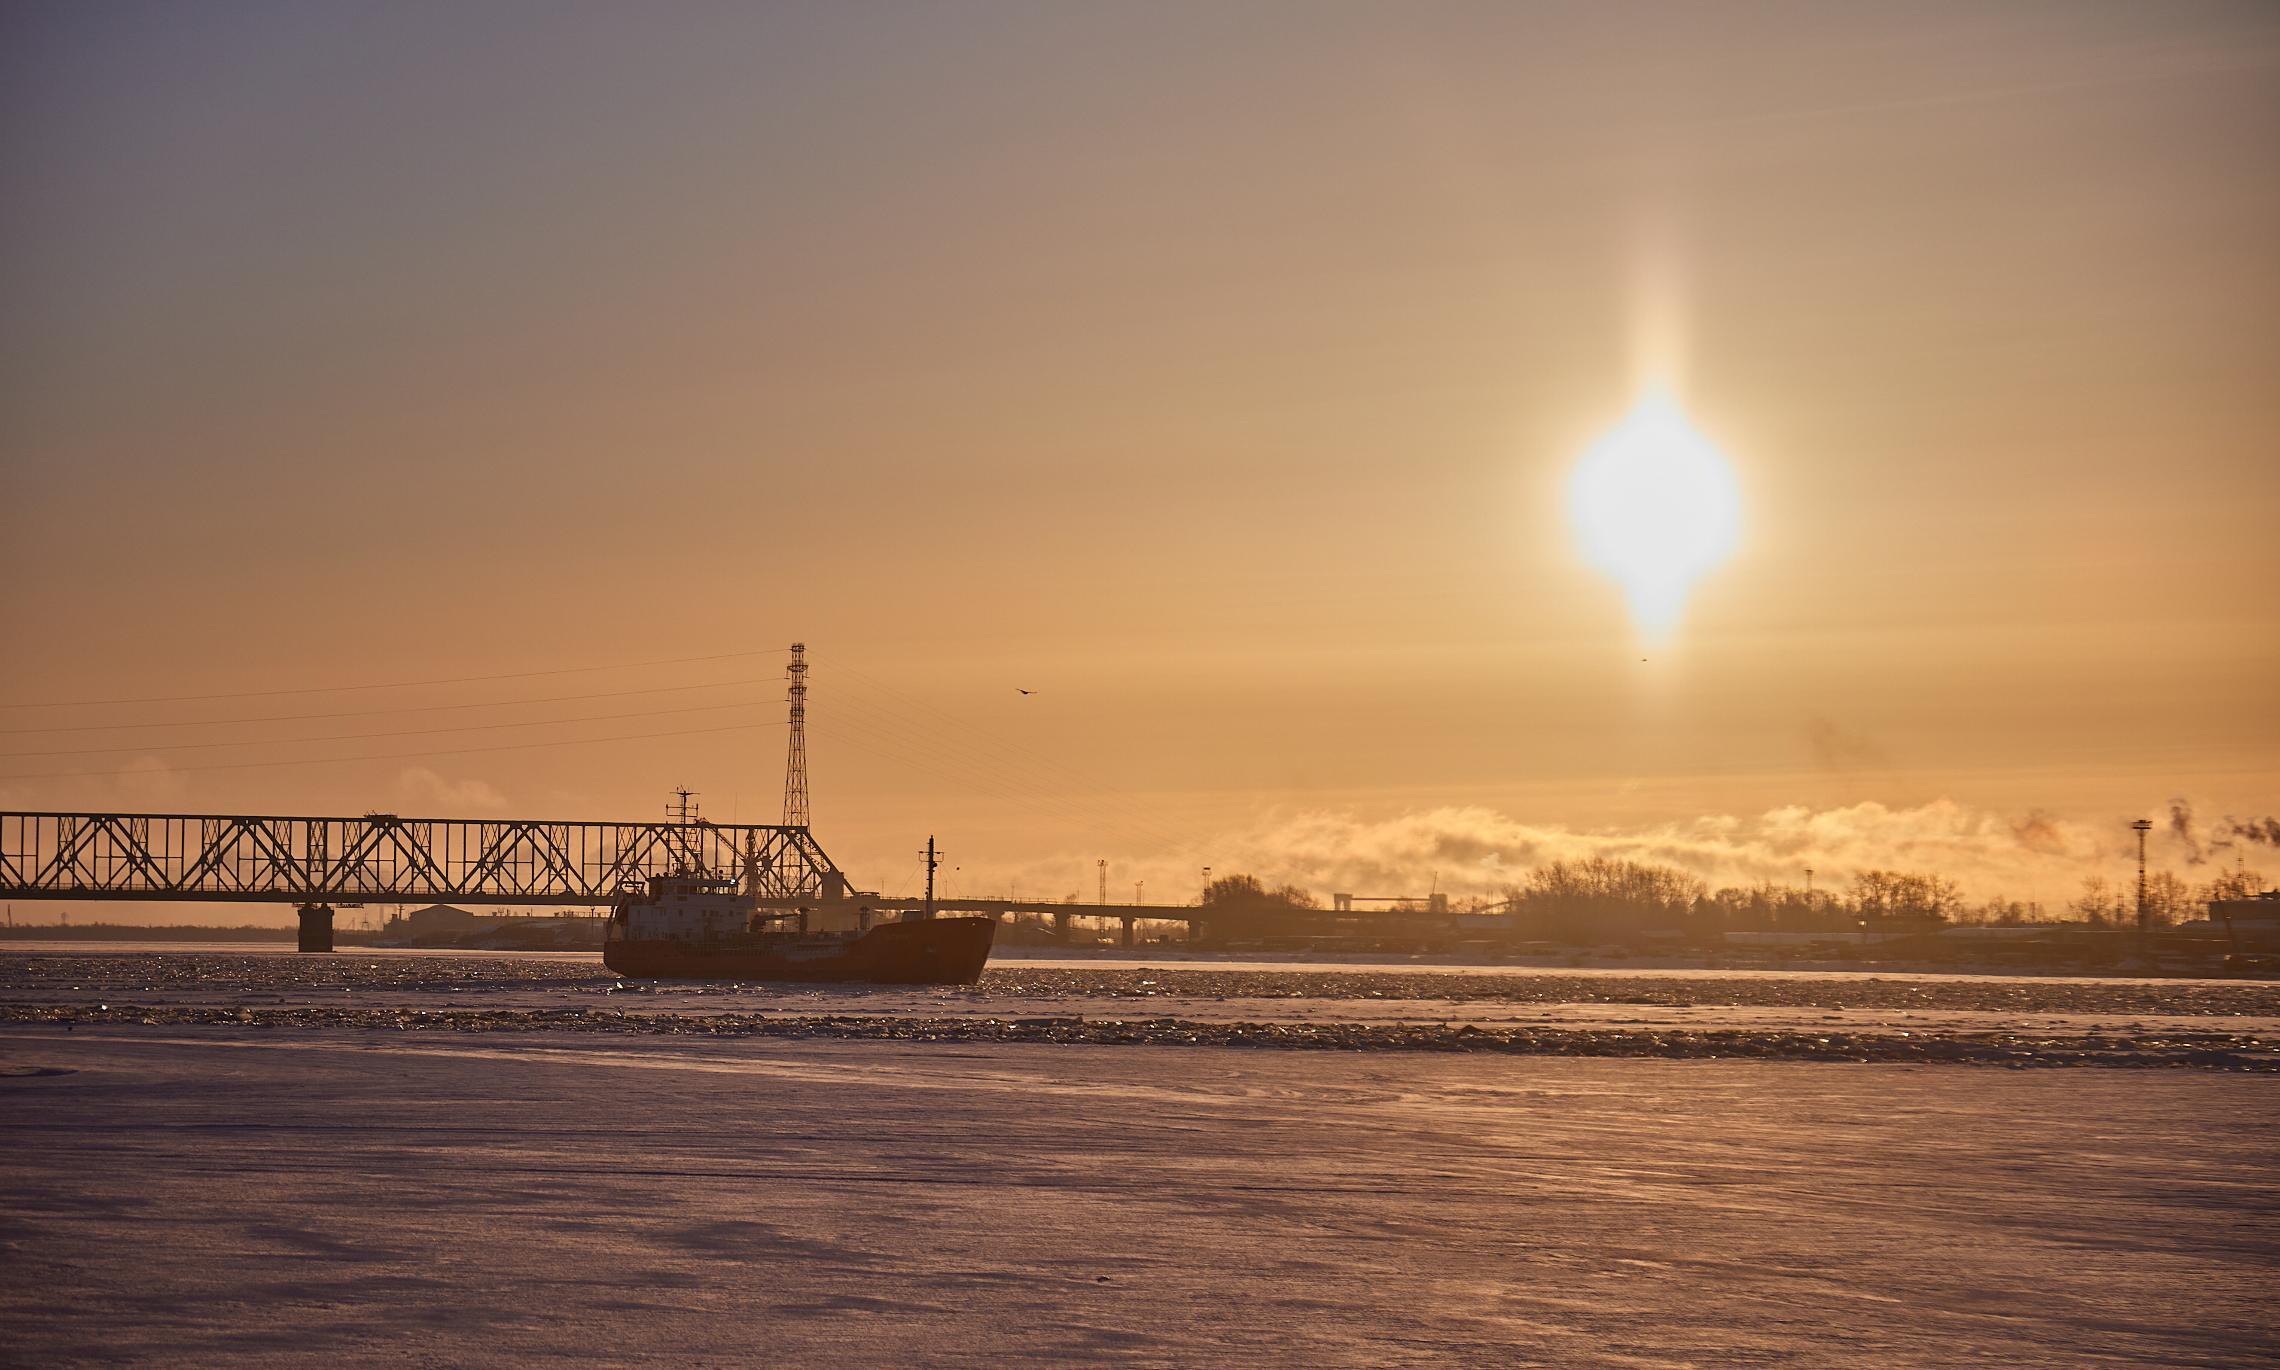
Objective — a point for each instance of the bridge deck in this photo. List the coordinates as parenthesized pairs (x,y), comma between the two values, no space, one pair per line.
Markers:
(1172,913)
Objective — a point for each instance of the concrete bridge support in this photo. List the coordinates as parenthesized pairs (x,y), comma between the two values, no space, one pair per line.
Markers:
(1061,926)
(316,927)
(1128,922)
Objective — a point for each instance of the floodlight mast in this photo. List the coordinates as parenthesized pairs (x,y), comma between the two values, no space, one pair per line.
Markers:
(2143,826)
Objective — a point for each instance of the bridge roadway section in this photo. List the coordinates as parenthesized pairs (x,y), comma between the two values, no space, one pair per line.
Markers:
(315,863)
(1204,921)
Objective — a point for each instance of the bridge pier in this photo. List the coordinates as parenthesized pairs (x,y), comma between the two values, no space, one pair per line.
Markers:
(316,927)
(1061,926)
(1128,922)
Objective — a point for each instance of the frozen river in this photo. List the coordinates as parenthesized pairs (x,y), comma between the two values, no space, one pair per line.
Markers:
(752,1174)
(1884,1017)
(226,1195)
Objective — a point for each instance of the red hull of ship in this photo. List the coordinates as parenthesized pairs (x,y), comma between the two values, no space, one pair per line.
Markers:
(933,951)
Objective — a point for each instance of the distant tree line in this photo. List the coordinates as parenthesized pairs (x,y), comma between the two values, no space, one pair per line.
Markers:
(1600,897)
(1576,900)
(2168,899)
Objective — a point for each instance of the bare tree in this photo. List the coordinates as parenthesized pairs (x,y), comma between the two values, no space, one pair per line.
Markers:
(2096,902)
(1247,891)
(2240,883)
(2168,899)
(1906,894)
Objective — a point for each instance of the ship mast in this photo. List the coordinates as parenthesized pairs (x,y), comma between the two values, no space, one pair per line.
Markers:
(688,859)
(933,859)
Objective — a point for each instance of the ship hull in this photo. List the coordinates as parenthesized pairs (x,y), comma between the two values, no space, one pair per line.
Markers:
(934,951)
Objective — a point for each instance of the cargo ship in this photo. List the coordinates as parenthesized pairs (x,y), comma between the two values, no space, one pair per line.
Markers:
(694,925)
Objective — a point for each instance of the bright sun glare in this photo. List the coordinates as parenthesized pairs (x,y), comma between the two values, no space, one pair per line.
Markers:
(1655,506)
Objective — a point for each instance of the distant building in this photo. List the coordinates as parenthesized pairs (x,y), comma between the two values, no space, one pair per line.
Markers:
(438,920)
(2249,923)
(2262,908)
(441,925)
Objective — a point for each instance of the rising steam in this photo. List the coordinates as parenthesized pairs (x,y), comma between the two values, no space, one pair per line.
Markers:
(1478,851)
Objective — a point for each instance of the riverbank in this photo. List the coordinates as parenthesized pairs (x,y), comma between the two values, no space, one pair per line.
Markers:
(128,937)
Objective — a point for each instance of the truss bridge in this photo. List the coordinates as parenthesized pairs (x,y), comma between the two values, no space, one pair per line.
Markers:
(383,858)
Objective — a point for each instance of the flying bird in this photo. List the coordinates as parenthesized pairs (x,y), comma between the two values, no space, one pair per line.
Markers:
(1026,692)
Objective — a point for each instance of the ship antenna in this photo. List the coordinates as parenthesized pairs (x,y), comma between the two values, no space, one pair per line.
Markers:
(933,859)
(684,816)
(795,747)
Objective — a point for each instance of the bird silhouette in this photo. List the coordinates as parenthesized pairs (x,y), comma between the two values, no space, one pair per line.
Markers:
(1026,692)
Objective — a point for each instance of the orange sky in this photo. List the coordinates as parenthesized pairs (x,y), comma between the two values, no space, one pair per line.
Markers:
(1214,370)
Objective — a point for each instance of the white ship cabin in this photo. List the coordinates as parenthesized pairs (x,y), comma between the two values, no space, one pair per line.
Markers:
(684,908)
(696,908)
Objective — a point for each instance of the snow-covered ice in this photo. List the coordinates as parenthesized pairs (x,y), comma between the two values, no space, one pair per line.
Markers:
(218,1192)
(1988,1019)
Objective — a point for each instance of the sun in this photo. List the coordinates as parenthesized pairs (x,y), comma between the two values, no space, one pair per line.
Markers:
(1655,506)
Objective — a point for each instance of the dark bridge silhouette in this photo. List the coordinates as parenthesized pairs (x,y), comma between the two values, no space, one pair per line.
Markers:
(316,863)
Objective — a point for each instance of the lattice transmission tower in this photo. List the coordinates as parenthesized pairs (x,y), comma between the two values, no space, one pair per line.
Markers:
(795,748)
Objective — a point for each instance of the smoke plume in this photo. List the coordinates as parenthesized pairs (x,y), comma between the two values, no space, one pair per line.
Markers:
(2181,825)
(2264,830)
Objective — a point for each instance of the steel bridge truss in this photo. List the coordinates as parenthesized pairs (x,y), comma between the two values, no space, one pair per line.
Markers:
(381,858)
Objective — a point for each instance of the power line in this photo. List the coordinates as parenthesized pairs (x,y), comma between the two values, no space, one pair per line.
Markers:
(1006,760)
(1001,769)
(402,732)
(402,756)
(374,713)
(391,685)
(964,767)
(1067,775)
(963,775)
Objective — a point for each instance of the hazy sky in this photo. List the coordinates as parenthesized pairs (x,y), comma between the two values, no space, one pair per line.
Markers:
(1214,370)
